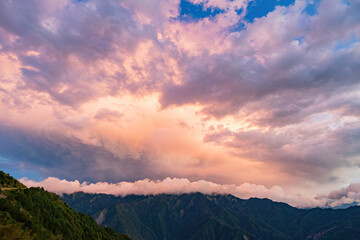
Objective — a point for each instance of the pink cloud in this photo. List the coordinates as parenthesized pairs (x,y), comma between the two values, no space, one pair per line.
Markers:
(346,195)
(173,186)
(103,90)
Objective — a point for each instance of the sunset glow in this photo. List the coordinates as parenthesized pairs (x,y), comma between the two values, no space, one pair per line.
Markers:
(211,95)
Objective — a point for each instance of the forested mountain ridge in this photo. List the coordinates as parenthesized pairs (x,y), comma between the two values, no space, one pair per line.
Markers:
(198,216)
(33,213)
(6,181)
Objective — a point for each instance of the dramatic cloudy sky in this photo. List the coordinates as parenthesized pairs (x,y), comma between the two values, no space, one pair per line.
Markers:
(252,97)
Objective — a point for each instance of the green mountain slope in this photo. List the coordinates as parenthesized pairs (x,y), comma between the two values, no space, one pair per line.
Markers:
(6,182)
(37,214)
(198,216)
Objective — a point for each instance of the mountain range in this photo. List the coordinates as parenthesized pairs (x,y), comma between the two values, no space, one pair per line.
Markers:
(33,213)
(199,216)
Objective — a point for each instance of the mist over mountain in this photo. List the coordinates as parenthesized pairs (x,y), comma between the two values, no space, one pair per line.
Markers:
(199,216)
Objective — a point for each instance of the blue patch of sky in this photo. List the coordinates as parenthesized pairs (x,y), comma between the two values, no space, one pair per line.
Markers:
(347,44)
(347,2)
(190,12)
(260,8)
(239,11)
(312,7)
(257,9)
(300,39)
(237,27)
(16,171)
(4,160)
(18,174)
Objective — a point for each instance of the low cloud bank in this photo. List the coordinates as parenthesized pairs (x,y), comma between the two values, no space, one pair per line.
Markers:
(343,196)
(183,185)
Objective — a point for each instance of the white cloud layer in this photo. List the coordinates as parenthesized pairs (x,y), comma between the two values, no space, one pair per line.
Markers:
(184,185)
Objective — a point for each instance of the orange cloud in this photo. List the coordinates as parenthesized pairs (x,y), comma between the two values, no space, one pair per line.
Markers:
(112,91)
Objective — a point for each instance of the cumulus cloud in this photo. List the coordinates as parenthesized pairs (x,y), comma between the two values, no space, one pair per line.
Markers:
(343,196)
(280,65)
(84,50)
(125,90)
(173,186)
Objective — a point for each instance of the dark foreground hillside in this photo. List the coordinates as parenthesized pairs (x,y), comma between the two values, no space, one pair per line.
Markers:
(37,214)
(198,216)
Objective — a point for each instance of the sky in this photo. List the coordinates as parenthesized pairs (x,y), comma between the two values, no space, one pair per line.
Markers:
(257,98)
